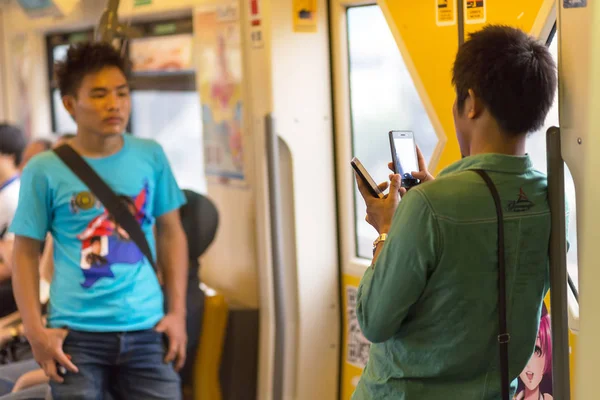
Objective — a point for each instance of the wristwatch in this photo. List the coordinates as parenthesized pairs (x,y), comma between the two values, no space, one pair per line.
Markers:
(381,238)
(14,332)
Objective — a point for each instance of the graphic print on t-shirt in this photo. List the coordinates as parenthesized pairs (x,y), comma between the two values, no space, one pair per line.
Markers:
(105,243)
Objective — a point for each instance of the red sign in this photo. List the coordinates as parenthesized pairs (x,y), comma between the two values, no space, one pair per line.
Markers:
(254,8)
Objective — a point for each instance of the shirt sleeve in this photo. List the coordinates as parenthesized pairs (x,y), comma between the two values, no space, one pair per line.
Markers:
(33,216)
(395,282)
(167,194)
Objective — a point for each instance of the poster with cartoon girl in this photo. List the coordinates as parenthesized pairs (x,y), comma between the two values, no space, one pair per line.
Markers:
(535,382)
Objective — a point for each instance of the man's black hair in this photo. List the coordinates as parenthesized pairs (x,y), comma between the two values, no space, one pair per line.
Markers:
(12,141)
(85,58)
(512,74)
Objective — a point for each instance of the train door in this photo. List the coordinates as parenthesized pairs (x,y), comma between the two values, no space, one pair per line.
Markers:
(391,71)
(377,88)
(579,87)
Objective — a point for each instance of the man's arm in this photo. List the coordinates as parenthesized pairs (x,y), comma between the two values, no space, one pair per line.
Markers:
(395,281)
(6,250)
(26,283)
(47,260)
(172,257)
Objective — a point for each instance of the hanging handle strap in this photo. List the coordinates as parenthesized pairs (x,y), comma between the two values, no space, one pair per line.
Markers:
(503,335)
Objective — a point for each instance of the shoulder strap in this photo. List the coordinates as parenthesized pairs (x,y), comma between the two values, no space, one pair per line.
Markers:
(107,197)
(503,335)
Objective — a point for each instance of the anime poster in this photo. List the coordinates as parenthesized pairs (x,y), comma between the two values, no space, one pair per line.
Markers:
(535,382)
(219,79)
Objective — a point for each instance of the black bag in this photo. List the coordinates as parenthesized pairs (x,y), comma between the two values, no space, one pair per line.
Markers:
(503,335)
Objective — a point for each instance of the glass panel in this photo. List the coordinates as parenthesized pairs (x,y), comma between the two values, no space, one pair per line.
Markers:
(536,147)
(383,98)
(60,52)
(173,119)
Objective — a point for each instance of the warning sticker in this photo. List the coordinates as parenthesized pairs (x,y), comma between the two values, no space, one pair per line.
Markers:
(475,11)
(575,3)
(358,346)
(445,12)
(305,15)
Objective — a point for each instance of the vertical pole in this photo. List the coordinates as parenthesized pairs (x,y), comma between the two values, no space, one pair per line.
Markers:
(558,268)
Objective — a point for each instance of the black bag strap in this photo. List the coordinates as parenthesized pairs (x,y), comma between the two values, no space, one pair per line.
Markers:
(503,335)
(107,197)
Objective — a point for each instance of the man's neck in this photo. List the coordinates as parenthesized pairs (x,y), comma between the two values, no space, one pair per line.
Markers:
(491,140)
(92,145)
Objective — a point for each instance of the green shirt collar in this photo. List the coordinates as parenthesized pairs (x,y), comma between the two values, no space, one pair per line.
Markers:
(491,162)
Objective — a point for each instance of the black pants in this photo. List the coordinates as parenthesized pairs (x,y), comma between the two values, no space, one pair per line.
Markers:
(7,299)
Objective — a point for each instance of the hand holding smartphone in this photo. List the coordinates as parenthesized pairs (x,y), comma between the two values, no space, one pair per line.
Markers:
(404,157)
(366,178)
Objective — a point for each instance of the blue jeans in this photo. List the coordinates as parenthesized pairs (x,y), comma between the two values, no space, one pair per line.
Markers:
(128,364)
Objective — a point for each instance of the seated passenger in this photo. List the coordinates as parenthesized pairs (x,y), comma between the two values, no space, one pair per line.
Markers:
(118,307)
(12,144)
(429,301)
(200,220)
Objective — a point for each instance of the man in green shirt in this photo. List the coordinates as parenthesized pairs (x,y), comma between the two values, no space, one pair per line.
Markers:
(429,302)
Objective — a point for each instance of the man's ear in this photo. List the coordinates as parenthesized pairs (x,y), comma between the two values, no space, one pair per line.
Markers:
(69,103)
(473,105)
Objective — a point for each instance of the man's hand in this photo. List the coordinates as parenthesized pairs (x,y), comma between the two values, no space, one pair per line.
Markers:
(380,212)
(173,325)
(422,174)
(47,346)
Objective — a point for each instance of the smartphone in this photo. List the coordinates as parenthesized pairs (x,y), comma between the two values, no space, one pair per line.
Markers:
(366,178)
(404,156)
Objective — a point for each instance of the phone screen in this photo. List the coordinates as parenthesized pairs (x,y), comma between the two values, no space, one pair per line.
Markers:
(407,156)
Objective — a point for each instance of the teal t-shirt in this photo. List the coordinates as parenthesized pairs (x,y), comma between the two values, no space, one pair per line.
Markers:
(102,282)
(429,303)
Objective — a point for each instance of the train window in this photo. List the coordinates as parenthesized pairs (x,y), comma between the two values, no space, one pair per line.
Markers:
(383,97)
(165,102)
(536,147)
(63,122)
(173,119)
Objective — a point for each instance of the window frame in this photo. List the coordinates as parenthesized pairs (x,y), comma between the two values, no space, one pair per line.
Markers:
(434,156)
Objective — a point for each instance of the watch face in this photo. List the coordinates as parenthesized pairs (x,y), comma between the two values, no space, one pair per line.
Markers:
(380,238)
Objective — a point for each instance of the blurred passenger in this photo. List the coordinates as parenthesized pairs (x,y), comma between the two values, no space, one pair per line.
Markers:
(34,147)
(12,144)
(429,301)
(106,324)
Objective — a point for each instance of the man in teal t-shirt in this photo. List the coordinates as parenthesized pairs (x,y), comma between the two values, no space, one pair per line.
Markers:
(429,301)
(106,322)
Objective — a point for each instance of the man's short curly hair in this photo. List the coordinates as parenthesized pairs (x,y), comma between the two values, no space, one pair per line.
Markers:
(85,58)
(513,74)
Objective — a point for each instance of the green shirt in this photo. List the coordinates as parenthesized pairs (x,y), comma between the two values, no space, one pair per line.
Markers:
(429,303)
